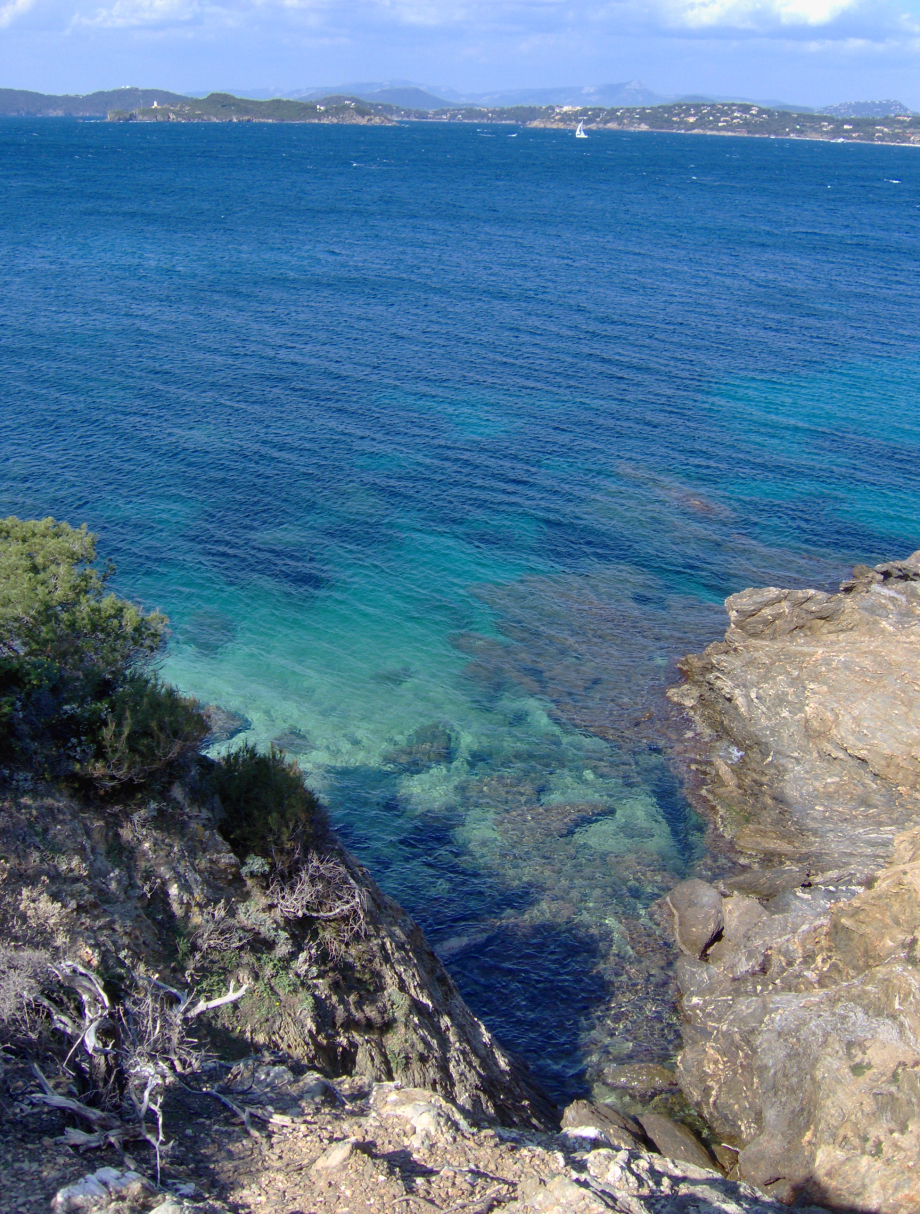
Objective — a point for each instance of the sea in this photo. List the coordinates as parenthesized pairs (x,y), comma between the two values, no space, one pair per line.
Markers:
(440,445)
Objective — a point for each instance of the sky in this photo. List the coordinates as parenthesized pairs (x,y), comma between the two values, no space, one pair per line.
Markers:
(810,51)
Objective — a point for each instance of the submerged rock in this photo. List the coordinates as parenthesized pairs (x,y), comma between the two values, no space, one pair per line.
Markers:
(802,1024)
(294,742)
(208,631)
(641,1078)
(426,747)
(223,724)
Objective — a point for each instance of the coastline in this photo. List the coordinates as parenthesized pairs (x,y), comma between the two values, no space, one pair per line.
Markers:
(799,985)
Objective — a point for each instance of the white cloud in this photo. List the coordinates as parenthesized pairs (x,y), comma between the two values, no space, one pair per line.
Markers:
(757,14)
(13,9)
(521,26)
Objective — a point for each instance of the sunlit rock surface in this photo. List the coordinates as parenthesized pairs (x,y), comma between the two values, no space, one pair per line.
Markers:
(802,1019)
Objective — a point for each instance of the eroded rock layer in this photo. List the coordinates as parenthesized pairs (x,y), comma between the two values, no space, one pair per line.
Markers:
(800,976)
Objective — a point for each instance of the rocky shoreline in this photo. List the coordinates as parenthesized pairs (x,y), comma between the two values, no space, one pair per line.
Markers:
(800,976)
(349,1075)
(338,1074)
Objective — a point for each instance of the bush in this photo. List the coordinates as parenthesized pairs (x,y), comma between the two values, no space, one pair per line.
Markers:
(22,971)
(54,606)
(146,725)
(268,810)
(77,696)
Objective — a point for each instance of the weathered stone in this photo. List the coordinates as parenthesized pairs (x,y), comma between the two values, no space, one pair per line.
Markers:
(696,909)
(94,1192)
(336,1156)
(277,1086)
(676,1141)
(560,1195)
(583,1118)
(431,1117)
(801,1025)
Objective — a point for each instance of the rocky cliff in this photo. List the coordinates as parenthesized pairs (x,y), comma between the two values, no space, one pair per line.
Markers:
(800,977)
(343,1074)
(151,891)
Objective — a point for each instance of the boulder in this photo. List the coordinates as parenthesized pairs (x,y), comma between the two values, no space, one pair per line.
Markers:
(584,1119)
(96,1191)
(431,1118)
(696,909)
(336,1156)
(676,1141)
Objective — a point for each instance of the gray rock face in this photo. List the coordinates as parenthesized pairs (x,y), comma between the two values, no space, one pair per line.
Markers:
(696,909)
(600,1122)
(633,1182)
(676,1141)
(802,1022)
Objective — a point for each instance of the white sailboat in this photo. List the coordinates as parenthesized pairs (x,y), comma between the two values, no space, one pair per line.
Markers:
(580,130)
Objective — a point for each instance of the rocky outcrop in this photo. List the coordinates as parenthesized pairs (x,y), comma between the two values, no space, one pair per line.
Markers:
(375,1149)
(152,891)
(801,976)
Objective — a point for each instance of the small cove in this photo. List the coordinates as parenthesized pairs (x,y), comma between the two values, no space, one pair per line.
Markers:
(436,486)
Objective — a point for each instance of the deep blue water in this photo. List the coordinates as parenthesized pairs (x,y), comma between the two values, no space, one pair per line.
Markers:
(472,430)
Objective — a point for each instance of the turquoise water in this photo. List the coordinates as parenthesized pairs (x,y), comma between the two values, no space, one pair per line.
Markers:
(439,446)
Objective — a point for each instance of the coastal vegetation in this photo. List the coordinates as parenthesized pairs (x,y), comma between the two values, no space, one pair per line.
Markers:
(222,107)
(267,808)
(79,697)
(686,117)
(702,118)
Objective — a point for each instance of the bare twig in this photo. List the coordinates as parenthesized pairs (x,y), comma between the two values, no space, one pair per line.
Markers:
(241,1111)
(146,1048)
(230,997)
(85,981)
(50,1097)
(322,889)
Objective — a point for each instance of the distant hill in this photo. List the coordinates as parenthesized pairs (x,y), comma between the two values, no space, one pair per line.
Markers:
(866,109)
(157,105)
(223,107)
(630,92)
(399,93)
(785,107)
(23,103)
(409,98)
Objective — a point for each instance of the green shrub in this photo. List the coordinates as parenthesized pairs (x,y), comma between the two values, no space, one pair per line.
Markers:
(54,606)
(145,726)
(77,696)
(268,810)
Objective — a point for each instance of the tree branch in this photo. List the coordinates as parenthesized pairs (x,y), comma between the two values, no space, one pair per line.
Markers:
(230,997)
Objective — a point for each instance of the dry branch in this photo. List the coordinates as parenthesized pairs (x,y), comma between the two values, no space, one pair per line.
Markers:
(322,889)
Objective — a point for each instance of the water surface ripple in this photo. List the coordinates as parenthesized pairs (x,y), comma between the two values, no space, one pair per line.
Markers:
(438,447)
